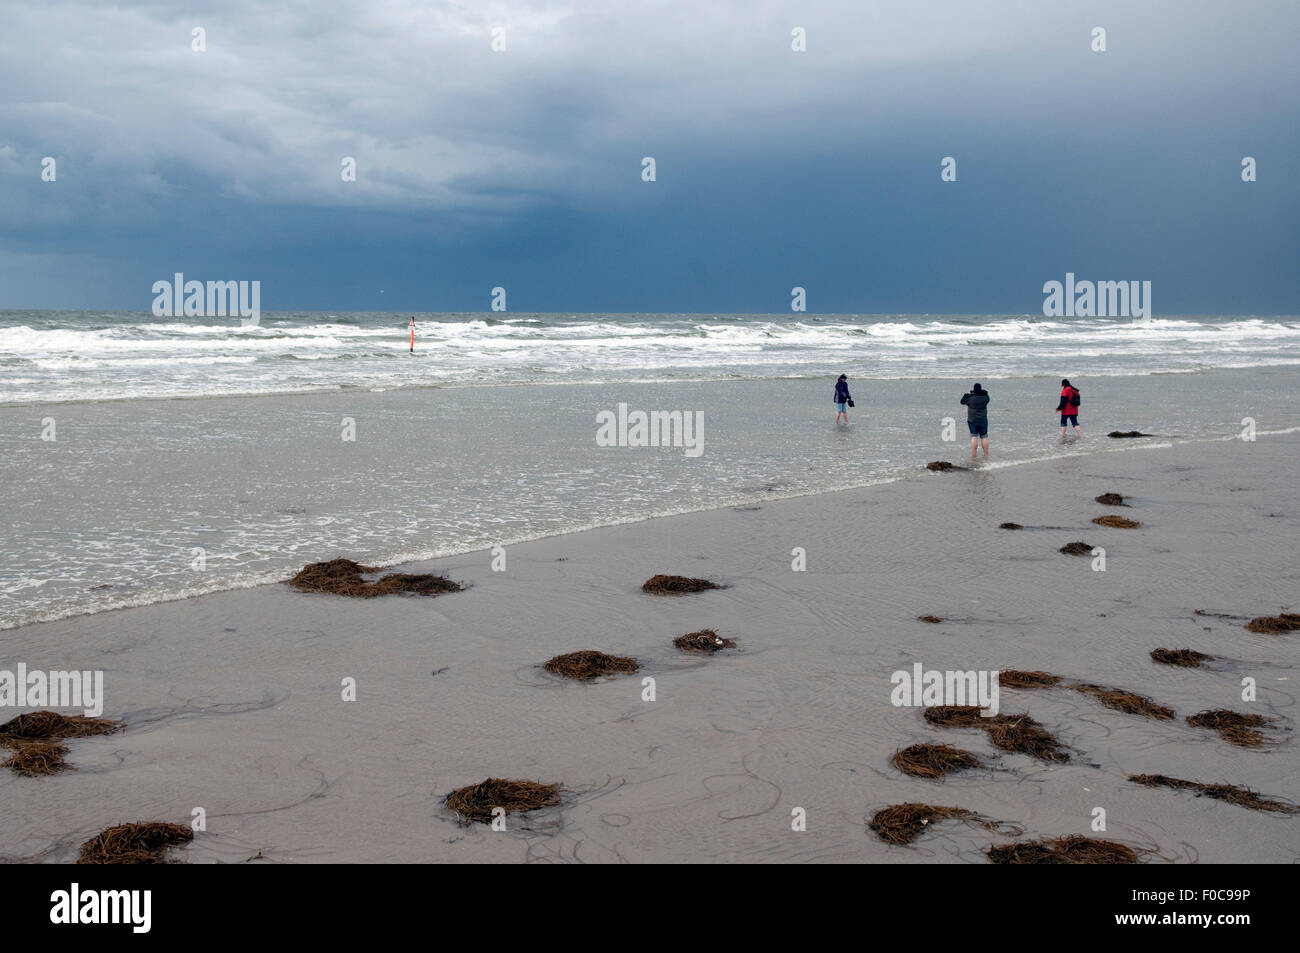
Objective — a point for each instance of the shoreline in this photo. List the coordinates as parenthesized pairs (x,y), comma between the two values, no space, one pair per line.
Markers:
(232,698)
(416,558)
(638,381)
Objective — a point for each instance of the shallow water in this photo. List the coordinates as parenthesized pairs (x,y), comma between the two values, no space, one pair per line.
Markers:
(137,501)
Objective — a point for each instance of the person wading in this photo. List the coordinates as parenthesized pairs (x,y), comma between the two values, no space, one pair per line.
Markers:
(843,399)
(977,418)
(1068,408)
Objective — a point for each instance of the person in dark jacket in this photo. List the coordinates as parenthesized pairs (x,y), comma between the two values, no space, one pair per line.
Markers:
(842,399)
(977,418)
(1068,408)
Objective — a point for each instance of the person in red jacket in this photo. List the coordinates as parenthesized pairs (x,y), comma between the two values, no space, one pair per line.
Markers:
(1068,408)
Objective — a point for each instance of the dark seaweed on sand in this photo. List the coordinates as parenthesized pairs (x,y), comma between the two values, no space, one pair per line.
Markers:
(705,640)
(932,619)
(1111,499)
(1022,734)
(1232,726)
(1230,793)
(133,843)
(1077,549)
(1018,733)
(1128,702)
(903,823)
(676,585)
(941,466)
(932,761)
(1116,522)
(1275,624)
(476,801)
(1013,679)
(1118,434)
(1075,849)
(36,758)
(589,664)
(1184,658)
(35,739)
(1010,526)
(953,716)
(46,725)
(343,577)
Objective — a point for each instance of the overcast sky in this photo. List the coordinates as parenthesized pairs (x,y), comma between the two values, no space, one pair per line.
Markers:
(775,168)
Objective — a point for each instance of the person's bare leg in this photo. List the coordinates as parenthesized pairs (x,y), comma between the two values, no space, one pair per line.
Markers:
(985,442)
(974,442)
(1078,432)
(1063,431)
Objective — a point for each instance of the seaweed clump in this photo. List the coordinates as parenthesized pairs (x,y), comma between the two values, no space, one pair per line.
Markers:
(1128,702)
(1022,734)
(1111,499)
(932,761)
(342,577)
(1013,679)
(953,716)
(1010,526)
(1116,522)
(675,585)
(932,619)
(1275,624)
(1075,849)
(44,725)
(705,640)
(1018,733)
(1229,793)
(475,802)
(133,843)
(941,466)
(1076,549)
(1120,434)
(1232,726)
(589,664)
(1184,658)
(33,759)
(903,823)
(35,739)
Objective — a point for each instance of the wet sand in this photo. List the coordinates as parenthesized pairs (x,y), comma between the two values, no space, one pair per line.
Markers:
(232,700)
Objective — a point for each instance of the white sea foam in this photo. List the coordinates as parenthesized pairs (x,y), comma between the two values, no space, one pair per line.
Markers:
(81,355)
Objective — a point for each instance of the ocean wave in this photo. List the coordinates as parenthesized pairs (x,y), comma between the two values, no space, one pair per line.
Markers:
(97,355)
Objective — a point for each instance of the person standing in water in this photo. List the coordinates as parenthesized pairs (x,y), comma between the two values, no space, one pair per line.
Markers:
(1068,408)
(977,418)
(842,399)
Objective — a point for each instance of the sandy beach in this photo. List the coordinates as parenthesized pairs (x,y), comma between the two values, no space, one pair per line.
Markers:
(232,700)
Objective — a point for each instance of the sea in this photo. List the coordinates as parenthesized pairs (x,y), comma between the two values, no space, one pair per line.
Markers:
(145,459)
